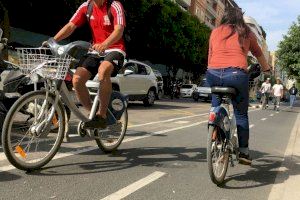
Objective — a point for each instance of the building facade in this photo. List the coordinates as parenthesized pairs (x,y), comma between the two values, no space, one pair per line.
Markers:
(208,11)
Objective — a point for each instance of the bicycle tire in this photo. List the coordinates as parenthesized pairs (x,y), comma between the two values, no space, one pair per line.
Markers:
(7,126)
(107,149)
(220,179)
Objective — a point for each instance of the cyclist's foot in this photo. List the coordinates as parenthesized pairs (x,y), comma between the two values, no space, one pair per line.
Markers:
(245,159)
(96,122)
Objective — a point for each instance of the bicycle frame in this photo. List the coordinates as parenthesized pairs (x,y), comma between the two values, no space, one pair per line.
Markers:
(62,94)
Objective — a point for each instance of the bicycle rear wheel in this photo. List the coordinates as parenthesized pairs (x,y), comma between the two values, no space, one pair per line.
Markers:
(217,156)
(111,138)
(25,147)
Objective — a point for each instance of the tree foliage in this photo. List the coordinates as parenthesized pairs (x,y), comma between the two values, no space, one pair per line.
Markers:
(4,20)
(159,30)
(288,54)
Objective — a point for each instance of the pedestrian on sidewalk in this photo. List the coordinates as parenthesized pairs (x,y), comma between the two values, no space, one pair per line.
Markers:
(278,93)
(265,91)
(293,93)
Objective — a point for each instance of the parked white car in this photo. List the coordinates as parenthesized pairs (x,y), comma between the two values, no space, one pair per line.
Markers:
(138,81)
(187,90)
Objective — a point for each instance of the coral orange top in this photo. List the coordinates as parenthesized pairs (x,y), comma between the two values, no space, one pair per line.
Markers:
(225,53)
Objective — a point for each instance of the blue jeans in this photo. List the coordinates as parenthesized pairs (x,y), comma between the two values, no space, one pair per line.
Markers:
(238,79)
(292,100)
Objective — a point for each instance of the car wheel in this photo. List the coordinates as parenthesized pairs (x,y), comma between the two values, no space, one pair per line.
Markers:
(149,100)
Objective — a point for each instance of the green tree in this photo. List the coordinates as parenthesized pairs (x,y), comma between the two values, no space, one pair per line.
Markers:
(288,54)
(163,33)
(4,20)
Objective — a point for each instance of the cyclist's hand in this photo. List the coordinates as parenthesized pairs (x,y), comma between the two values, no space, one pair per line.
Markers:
(100,47)
(45,44)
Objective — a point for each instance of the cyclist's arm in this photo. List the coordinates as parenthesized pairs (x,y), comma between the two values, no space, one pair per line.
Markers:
(257,52)
(263,62)
(115,36)
(77,20)
(119,23)
(65,32)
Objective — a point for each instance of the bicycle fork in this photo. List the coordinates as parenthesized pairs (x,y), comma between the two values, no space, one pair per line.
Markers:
(43,127)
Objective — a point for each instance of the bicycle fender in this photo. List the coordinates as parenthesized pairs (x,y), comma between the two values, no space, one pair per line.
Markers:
(118,104)
(218,116)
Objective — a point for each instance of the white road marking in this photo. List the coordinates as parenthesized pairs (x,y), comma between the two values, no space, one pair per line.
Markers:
(182,122)
(264,119)
(251,126)
(277,112)
(130,139)
(122,193)
(71,153)
(271,115)
(169,120)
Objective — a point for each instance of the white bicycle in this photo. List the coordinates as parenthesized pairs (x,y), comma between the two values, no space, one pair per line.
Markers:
(35,125)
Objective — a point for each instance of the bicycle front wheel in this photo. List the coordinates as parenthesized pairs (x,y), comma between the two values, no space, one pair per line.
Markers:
(110,139)
(217,155)
(29,142)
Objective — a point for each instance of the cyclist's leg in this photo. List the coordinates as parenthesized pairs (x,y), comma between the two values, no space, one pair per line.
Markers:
(88,67)
(104,74)
(80,78)
(108,68)
(239,80)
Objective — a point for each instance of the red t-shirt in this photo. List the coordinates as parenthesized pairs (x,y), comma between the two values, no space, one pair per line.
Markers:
(227,52)
(100,23)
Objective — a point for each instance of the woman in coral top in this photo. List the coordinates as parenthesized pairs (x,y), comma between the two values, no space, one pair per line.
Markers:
(227,66)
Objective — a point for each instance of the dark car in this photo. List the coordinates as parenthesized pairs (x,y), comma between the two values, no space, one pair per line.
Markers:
(202,92)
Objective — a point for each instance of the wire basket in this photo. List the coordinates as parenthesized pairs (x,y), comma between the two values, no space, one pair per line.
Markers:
(41,61)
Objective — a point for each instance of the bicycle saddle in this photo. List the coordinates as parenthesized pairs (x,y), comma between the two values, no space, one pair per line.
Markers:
(223,90)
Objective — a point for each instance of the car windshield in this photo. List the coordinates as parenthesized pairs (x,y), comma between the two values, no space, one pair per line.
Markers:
(187,86)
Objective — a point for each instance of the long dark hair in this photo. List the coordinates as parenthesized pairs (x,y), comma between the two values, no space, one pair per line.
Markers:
(234,18)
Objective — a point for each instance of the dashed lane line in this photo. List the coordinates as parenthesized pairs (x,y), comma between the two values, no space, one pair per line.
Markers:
(264,119)
(251,126)
(169,120)
(122,193)
(271,115)
(182,122)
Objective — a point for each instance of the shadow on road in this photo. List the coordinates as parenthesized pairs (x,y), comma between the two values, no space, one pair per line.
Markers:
(167,157)
(6,176)
(263,172)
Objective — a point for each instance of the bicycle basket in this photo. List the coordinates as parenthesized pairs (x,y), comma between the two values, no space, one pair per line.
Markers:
(41,61)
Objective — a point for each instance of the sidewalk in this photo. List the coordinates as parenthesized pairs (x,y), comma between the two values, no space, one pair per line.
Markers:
(287,183)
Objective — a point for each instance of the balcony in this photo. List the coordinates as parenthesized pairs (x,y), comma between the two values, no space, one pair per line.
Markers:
(212,8)
(184,3)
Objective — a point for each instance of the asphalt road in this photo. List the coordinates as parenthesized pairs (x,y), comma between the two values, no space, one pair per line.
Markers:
(162,157)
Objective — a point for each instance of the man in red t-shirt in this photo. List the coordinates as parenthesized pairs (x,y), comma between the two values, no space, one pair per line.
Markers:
(107,27)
